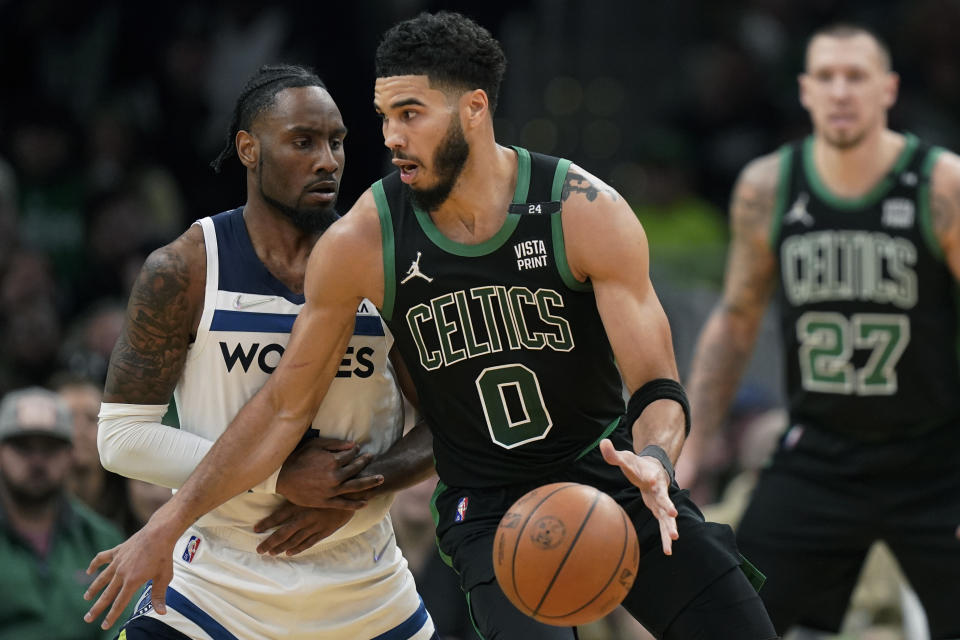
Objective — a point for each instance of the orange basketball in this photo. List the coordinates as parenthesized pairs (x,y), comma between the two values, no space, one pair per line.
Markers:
(565,554)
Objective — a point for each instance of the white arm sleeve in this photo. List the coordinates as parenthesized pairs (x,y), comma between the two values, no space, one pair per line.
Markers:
(133,443)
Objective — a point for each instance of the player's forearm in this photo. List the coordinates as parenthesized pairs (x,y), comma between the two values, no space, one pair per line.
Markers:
(662,423)
(133,443)
(406,463)
(721,356)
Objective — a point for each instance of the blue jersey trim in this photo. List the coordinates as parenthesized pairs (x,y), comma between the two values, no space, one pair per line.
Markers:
(224,320)
(408,628)
(368,326)
(240,268)
(198,616)
(246,321)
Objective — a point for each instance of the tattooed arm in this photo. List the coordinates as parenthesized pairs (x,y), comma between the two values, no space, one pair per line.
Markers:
(945,207)
(726,341)
(162,317)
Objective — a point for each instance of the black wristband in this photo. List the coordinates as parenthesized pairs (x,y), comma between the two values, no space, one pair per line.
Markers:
(656,390)
(655,451)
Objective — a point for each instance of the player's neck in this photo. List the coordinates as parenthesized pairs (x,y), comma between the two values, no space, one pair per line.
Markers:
(851,172)
(477,205)
(281,247)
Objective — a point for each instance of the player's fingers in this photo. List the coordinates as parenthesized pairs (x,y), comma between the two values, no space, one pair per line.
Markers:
(99,559)
(610,453)
(309,542)
(105,599)
(295,540)
(344,503)
(346,455)
(667,536)
(353,467)
(120,603)
(360,484)
(282,513)
(158,593)
(100,582)
(275,540)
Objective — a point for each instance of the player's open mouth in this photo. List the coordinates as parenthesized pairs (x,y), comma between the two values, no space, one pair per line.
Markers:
(408,170)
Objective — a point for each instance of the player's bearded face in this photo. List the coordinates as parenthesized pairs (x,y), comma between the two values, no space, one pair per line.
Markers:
(307,218)
(448,161)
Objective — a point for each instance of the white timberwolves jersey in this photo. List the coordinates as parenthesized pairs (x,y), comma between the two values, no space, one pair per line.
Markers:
(245,326)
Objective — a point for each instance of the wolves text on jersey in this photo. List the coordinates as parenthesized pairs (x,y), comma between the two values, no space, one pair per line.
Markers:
(849,265)
(510,318)
(354,363)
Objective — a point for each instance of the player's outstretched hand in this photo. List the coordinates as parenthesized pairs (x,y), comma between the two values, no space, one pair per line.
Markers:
(651,478)
(298,528)
(146,555)
(321,473)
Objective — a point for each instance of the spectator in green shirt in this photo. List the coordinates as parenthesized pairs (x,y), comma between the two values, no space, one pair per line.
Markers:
(46,537)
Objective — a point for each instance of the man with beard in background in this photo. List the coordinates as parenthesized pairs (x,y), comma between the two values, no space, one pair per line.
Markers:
(45,537)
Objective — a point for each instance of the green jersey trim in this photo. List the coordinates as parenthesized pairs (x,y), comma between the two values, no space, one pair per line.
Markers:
(783,191)
(872,196)
(388,244)
(559,179)
(926,216)
(556,227)
(560,257)
(606,432)
(500,237)
(436,519)
(522,189)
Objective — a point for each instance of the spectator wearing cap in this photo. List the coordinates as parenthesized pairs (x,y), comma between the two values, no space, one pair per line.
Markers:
(46,537)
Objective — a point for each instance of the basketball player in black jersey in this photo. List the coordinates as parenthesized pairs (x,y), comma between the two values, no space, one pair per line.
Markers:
(510,281)
(861,226)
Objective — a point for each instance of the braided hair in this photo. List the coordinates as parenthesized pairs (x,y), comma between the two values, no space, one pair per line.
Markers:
(258,94)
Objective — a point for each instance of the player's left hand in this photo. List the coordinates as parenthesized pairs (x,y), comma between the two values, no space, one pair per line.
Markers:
(298,528)
(146,555)
(651,478)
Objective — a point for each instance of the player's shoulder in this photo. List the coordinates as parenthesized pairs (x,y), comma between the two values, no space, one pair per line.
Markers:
(945,172)
(588,200)
(763,172)
(182,261)
(359,225)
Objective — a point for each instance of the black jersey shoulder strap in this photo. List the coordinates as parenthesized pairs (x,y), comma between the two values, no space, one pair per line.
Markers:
(540,181)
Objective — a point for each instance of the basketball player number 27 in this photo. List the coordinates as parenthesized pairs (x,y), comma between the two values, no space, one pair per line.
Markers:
(828,340)
(513,405)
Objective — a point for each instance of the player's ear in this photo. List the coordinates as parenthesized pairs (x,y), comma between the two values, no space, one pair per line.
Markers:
(474,105)
(890,89)
(802,80)
(248,148)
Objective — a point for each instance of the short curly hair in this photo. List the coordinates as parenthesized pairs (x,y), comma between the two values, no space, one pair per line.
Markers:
(447,47)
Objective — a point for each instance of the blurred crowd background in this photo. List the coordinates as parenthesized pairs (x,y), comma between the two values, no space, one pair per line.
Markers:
(111,112)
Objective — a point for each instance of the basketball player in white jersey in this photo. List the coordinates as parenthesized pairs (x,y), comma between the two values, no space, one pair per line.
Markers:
(208,320)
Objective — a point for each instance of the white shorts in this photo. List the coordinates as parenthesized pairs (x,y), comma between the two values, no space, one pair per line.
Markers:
(356,589)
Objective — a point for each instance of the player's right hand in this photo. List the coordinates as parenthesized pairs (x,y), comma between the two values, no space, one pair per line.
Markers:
(146,555)
(298,528)
(320,473)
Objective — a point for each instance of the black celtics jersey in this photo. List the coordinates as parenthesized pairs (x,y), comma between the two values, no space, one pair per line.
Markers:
(868,306)
(506,348)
